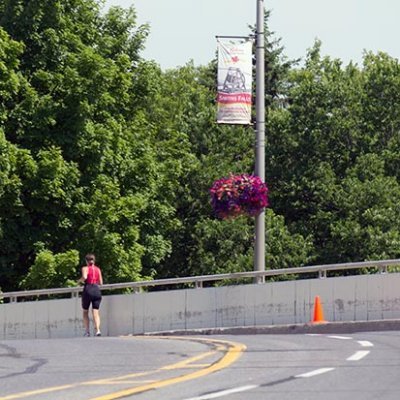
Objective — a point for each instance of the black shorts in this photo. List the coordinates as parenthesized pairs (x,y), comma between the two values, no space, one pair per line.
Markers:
(91,295)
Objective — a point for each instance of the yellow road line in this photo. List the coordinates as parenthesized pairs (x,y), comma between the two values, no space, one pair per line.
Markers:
(38,391)
(233,349)
(120,381)
(233,353)
(184,363)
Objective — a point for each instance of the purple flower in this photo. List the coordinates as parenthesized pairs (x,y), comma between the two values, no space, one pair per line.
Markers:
(237,195)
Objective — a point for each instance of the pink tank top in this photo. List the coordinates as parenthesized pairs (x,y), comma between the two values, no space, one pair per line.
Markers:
(93,277)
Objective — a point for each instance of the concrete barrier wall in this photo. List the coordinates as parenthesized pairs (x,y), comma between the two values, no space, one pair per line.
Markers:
(354,298)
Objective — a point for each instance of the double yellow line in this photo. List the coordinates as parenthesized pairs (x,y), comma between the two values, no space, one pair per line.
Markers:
(231,351)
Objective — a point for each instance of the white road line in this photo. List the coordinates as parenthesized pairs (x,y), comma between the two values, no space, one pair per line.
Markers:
(313,334)
(224,392)
(365,343)
(355,357)
(313,373)
(340,337)
(358,355)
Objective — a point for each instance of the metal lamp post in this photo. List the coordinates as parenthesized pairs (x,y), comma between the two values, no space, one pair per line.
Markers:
(259,250)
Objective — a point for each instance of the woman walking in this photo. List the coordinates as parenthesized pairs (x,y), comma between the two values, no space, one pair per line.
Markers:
(91,295)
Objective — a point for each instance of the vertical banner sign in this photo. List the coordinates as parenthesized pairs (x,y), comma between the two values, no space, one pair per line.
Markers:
(234,81)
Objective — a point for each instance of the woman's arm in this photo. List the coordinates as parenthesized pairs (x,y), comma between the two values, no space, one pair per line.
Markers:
(84,272)
(100,277)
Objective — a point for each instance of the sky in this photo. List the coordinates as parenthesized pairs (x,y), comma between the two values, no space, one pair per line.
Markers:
(185,30)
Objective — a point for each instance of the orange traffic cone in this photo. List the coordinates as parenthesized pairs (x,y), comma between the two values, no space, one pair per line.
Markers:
(318,312)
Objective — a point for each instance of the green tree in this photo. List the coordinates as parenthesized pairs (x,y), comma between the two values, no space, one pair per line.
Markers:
(51,270)
(333,123)
(102,174)
(228,245)
(368,208)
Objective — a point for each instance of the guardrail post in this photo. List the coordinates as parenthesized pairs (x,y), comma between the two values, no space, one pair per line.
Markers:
(383,269)
(199,284)
(322,274)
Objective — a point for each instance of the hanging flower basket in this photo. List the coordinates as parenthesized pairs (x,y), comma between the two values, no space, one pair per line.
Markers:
(238,195)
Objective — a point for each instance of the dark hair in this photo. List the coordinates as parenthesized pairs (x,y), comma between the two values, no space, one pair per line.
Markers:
(90,257)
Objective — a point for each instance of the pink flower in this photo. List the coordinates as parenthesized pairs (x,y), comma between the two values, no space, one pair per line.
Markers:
(237,195)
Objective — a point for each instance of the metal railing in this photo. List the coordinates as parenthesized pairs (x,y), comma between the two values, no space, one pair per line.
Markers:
(197,281)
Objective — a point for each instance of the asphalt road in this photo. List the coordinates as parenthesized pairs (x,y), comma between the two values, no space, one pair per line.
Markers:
(356,366)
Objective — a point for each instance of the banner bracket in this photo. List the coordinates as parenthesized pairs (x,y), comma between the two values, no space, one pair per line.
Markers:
(236,37)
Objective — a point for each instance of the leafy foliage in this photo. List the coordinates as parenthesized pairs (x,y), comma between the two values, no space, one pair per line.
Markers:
(51,270)
(102,151)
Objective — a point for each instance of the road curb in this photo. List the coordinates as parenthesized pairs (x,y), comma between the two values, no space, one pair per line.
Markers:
(328,327)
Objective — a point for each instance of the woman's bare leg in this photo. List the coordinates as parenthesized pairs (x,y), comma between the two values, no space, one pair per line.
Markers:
(96,320)
(86,320)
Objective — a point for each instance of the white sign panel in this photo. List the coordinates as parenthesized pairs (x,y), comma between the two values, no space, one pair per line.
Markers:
(234,81)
